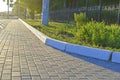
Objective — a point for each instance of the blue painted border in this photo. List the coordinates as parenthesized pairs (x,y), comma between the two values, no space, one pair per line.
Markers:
(81,50)
(116,57)
(89,52)
(56,44)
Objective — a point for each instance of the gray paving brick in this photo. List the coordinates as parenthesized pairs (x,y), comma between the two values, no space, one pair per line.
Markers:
(16,74)
(16,69)
(55,78)
(16,78)
(26,78)
(36,78)
(7,71)
(44,75)
(45,79)
(6,76)
(34,73)
(63,76)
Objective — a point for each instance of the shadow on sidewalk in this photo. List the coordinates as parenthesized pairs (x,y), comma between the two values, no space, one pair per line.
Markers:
(106,64)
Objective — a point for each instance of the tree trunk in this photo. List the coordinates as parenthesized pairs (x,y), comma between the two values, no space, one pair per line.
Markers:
(32,14)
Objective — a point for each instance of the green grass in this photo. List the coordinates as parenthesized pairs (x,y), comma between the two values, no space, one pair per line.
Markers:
(92,34)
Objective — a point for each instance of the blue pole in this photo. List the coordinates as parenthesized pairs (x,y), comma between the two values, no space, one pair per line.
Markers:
(45,12)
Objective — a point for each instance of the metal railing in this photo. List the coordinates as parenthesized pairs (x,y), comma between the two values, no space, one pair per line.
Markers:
(109,14)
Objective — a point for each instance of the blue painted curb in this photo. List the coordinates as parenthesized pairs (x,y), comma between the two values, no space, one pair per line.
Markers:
(76,49)
(56,44)
(116,57)
(89,52)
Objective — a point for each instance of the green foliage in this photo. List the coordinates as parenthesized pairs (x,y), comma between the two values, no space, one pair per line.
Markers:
(80,19)
(92,34)
(99,34)
(32,6)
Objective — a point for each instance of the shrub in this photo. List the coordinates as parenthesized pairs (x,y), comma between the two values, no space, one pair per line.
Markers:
(80,19)
(96,33)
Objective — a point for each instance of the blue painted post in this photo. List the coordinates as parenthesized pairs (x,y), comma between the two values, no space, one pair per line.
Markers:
(45,12)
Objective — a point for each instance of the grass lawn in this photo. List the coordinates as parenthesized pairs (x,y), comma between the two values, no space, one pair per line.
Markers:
(64,32)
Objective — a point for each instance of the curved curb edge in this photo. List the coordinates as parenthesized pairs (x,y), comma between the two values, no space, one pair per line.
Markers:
(75,49)
(56,44)
(37,33)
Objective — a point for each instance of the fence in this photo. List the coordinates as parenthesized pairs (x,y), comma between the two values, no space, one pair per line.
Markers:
(109,14)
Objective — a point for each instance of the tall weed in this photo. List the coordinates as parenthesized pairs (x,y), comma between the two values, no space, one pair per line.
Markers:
(80,19)
(96,33)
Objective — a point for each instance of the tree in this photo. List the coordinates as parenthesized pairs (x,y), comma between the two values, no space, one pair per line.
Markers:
(32,6)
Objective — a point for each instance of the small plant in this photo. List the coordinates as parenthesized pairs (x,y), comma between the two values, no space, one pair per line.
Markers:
(80,19)
(99,34)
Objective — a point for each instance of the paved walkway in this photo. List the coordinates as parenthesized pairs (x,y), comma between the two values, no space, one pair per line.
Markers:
(24,57)
(4,23)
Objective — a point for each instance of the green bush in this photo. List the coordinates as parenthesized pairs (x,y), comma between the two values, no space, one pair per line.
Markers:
(80,19)
(96,33)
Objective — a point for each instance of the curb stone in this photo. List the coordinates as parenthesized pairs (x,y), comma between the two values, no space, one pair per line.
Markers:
(37,33)
(76,49)
(116,57)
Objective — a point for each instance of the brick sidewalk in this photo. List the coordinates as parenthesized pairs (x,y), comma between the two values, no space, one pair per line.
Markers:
(24,57)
